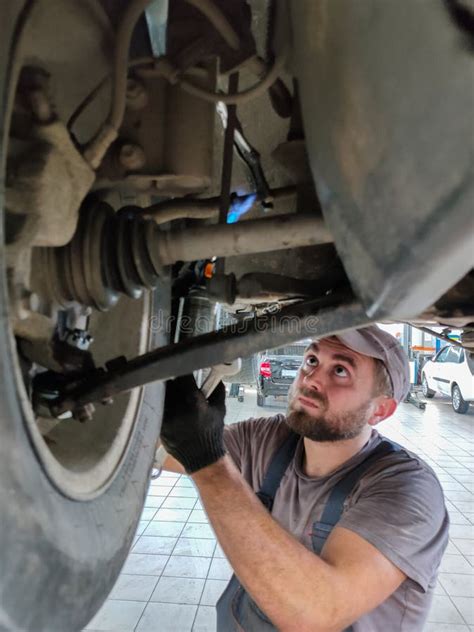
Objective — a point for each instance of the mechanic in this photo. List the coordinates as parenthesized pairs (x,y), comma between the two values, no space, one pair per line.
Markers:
(348,529)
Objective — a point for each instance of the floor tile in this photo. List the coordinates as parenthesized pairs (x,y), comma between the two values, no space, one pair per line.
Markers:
(179,503)
(198,515)
(205,620)
(166,476)
(466,547)
(168,529)
(148,513)
(172,515)
(464,506)
(455,564)
(452,549)
(463,496)
(134,587)
(438,589)
(117,616)
(465,605)
(443,610)
(167,617)
(198,547)
(212,591)
(162,484)
(157,545)
(143,564)
(456,517)
(159,491)
(183,492)
(462,531)
(219,552)
(445,627)
(178,590)
(452,485)
(142,525)
(185,481)
(457,584)
(198,530)
(182,566)
(154,501)
(220,569)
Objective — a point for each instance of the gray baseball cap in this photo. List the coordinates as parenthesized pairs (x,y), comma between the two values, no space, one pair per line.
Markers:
(377,343)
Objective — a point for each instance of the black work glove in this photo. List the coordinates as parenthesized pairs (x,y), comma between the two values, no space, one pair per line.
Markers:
(193,427)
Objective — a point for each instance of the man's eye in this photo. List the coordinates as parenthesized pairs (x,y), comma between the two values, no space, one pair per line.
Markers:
(341,371)
(312,361)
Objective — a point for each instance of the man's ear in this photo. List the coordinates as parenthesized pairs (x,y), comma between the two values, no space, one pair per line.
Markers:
(383,407)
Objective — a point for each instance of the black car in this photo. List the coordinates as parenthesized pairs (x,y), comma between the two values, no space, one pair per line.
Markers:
(277,369)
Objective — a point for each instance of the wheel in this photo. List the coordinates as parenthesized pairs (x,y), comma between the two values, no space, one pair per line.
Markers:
(71,494)
(426,390)
(459,405)
(260,399)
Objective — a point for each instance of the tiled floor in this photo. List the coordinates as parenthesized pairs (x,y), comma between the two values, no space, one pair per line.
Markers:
(176,570)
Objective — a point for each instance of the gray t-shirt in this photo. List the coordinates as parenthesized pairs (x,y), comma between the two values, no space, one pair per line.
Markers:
(398,506)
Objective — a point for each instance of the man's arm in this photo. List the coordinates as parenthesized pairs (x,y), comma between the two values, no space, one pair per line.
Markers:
(294,587)
(170,464)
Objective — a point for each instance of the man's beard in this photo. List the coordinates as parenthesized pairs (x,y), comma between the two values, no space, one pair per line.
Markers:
(321,426)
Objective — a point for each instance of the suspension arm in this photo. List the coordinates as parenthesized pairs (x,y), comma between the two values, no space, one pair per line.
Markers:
(308,319)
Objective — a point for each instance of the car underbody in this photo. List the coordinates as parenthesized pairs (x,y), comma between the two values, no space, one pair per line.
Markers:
(350,254)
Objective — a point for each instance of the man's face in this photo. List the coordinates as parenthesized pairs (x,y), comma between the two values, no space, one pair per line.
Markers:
(332,396)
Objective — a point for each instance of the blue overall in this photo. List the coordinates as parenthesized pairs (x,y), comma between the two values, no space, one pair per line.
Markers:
(236,610)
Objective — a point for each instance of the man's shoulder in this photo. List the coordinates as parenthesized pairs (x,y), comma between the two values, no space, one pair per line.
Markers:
(405,468)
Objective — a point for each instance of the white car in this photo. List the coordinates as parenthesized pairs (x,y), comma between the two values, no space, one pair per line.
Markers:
(451,372)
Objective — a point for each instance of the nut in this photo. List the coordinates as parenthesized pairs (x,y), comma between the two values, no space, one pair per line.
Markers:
(131,157)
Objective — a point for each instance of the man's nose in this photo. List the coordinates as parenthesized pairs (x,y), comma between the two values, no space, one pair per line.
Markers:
(313,378)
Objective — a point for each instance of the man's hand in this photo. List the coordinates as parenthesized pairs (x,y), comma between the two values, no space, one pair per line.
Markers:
(193,426)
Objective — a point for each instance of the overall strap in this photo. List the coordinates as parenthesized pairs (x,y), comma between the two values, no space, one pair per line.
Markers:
(335,505)
(278,465)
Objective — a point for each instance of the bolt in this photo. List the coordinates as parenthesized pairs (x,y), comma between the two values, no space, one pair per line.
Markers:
(137,96)
(131,157)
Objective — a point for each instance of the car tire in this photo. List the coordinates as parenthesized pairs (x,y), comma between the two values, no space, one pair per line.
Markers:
(59,555)
(426,390)
(260,399)
(460,406)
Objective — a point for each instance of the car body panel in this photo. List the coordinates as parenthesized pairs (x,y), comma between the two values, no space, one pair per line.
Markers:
(451,365)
